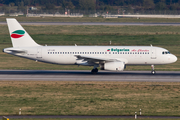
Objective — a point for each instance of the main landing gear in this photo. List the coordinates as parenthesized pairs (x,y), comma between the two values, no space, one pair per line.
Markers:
(153,71)
(94,71)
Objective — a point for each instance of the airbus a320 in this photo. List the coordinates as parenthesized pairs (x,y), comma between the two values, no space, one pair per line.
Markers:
(112,58)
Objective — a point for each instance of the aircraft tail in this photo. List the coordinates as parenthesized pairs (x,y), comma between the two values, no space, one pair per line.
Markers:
(19,37)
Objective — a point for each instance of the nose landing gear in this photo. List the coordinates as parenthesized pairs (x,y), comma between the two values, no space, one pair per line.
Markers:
(153,71)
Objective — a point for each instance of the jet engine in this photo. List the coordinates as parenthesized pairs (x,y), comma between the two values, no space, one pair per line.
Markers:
(114,66)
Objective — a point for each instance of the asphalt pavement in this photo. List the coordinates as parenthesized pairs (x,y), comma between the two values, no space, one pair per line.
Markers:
(96,23)
(85,75)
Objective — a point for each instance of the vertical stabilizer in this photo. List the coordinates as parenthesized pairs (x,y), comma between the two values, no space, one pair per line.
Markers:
(19,37)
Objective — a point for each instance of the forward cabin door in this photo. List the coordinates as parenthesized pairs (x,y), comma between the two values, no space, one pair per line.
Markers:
(153,53)
(39,53)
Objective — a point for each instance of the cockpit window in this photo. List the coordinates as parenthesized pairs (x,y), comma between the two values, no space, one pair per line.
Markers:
(166,52)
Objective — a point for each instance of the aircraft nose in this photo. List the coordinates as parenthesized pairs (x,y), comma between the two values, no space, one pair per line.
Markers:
(174,58)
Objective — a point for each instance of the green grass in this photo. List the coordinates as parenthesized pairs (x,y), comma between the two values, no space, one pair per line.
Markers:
(96,30)
(89,98)
(162,36)
(96,119)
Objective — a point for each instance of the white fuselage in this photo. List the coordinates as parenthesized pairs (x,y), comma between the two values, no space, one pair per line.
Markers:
(130,55)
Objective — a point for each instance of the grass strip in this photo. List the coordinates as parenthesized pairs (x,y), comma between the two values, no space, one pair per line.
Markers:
(89,98)
(95,119)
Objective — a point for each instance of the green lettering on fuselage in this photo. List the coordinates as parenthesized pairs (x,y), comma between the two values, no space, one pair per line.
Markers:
(119,50)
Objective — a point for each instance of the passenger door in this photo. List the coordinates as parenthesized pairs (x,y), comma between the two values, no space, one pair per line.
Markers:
(39,53)
(153,53)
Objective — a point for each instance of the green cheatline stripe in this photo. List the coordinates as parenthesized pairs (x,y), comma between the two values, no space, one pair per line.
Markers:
(20,32)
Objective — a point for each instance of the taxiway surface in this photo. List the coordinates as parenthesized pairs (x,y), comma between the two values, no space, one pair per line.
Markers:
(96,23)
(85,75)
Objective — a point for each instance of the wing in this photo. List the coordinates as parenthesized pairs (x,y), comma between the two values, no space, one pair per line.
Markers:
(97,59)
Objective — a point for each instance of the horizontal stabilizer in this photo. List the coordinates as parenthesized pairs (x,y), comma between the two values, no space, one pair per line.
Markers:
(14,51)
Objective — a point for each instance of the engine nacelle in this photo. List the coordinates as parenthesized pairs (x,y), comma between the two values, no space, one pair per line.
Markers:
(117,66)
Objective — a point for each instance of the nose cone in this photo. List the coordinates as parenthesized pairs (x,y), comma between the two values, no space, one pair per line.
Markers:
(173,58)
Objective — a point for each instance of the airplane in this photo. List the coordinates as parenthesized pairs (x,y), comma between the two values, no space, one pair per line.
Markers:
(112,58)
